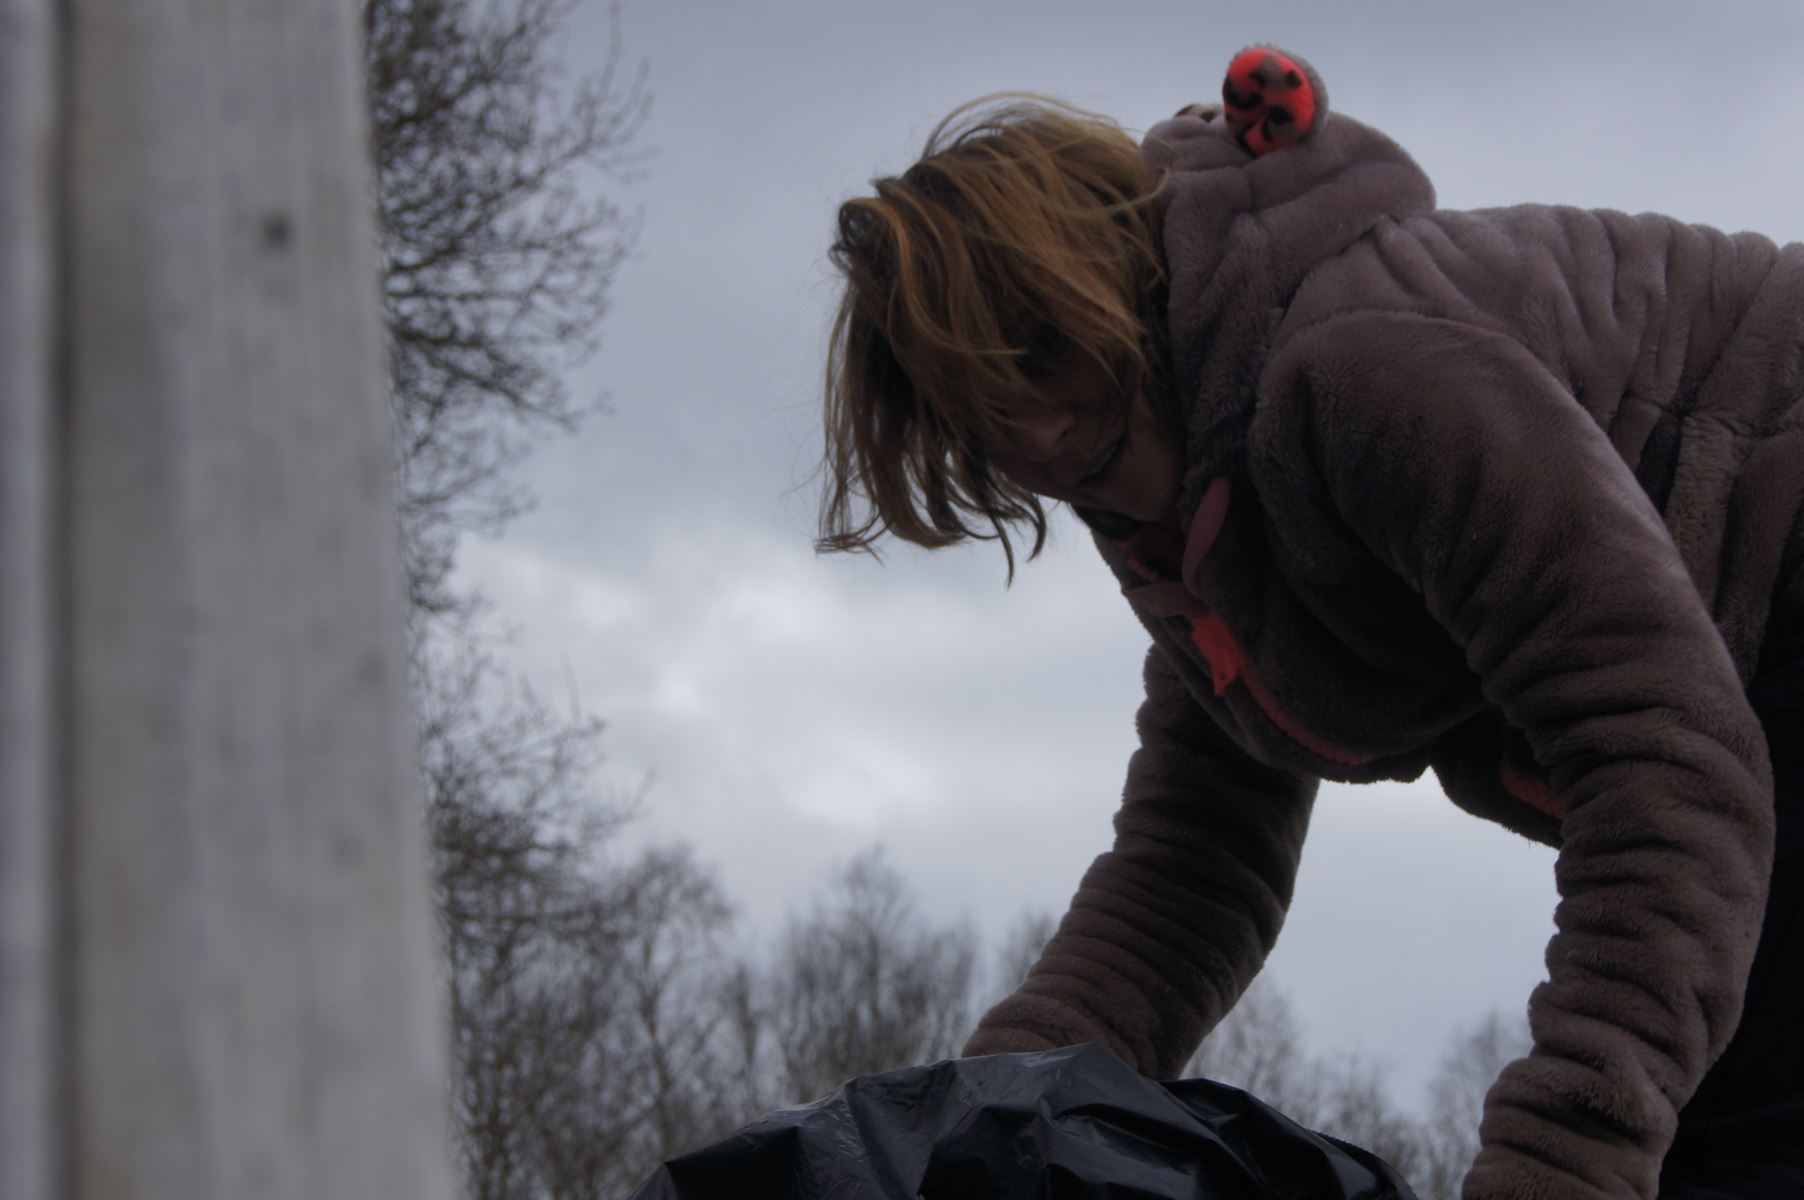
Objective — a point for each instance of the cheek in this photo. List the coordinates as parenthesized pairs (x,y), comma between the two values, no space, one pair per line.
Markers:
(1151,426)
(1032,476)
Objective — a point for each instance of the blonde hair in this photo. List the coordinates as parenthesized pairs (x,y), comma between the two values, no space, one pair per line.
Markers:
(1023,232)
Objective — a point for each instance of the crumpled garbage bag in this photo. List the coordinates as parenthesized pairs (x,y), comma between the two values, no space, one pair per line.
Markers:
(1054,1125)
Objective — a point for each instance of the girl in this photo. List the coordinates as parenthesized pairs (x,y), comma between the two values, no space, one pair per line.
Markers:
(1513,495)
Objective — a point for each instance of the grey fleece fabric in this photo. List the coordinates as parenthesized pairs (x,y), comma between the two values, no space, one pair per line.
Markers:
(1513,495)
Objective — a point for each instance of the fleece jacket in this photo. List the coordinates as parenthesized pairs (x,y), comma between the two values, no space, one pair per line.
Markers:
(1511,495)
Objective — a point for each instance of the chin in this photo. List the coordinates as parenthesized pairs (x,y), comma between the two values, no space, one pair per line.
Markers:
(1154,500)
(1138,508)
(1146,490)
(1148,512)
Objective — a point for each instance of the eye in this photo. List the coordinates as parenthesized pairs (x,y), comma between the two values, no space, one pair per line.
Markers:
(1043,349)
(1102,468)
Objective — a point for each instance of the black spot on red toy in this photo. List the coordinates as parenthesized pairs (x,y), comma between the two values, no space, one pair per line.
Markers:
(1272,99)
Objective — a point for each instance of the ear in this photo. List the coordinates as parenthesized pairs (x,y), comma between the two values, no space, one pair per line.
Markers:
(1272,99)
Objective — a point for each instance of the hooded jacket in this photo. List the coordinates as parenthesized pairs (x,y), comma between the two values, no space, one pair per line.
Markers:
(1512,495)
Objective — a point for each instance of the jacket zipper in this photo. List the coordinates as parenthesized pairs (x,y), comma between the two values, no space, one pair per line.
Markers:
(1228,664)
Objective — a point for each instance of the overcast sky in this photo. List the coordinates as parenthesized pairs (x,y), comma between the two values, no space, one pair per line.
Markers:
(793,709)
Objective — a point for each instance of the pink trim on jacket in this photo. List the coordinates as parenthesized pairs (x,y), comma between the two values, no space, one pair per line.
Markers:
(1150,551)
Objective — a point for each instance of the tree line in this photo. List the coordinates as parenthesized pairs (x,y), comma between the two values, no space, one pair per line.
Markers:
(625,1022)
(603,1013)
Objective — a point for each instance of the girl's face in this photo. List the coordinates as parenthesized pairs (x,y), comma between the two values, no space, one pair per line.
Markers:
(1080,447)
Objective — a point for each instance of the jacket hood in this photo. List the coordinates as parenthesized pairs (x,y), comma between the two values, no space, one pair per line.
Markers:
(1240,233)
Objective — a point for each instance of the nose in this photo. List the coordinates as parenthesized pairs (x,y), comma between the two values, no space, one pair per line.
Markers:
(1043,435)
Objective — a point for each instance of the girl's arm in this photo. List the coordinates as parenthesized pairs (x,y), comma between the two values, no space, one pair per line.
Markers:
(1470,471)
(1169,927)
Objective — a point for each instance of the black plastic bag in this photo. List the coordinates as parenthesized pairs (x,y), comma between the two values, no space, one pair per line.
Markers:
(1057,1125)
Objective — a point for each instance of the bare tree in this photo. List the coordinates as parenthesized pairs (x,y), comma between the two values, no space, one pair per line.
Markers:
(500,238)
(499,245)
(746,1079)
(583,987)
(1456,1096)
(675,972)
(1019,950)
(1259,1048)
(1355,1104)
(864,984)
(521,921)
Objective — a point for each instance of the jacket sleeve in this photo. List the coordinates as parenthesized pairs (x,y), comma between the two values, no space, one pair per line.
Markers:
(1167,928)
(1471,471)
